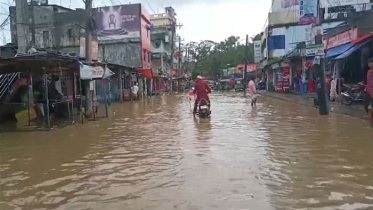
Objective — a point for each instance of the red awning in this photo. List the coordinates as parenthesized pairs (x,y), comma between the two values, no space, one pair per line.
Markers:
(361,39)
(147,73)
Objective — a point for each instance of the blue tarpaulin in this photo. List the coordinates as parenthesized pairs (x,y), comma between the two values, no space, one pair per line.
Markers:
(352,50)
(338,50)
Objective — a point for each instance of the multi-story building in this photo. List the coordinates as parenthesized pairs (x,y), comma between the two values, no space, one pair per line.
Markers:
(299,30)
(161,36)
(121,33)
(61,29)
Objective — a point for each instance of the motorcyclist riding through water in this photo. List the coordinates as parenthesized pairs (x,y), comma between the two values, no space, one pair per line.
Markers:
(202,90)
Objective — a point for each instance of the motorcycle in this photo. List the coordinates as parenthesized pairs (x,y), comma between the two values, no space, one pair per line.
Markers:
(203,108)
(353,93)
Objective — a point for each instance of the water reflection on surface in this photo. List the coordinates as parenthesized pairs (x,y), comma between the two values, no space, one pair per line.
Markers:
(154,155)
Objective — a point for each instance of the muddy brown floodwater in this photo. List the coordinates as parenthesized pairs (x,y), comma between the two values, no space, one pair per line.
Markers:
(154,155)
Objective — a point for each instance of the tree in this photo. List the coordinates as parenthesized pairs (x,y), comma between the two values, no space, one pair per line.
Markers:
(210,57)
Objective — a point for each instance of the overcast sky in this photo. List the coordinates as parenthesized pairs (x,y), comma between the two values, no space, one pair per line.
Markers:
(202,19)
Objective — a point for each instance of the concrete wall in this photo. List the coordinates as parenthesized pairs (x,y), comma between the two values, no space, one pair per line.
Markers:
(145,39)
(126,54)
(160,20)
(45,21)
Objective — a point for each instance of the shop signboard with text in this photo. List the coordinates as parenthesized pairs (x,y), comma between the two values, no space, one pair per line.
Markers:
(337,3)
(308,12)
(257,51)
(118,22)
(342,38)
(94,72)
(314,41)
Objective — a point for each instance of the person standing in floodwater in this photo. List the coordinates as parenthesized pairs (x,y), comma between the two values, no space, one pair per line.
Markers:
(135,91)
(252,92)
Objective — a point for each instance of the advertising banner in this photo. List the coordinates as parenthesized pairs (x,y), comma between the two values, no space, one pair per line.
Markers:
(94,72)
(285,5)
(118,22)
(284,11)
(257,51)
(308,12)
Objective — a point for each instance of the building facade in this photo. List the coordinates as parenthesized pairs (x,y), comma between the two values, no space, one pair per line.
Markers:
(298,31)
(161,37)
(121,36)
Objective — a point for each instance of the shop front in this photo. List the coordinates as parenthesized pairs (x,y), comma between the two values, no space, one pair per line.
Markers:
(348,62)
(145,81)
(281,76)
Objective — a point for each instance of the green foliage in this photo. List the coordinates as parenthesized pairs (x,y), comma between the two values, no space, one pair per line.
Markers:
(210,58)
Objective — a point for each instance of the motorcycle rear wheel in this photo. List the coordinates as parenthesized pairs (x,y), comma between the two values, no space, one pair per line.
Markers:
(348,101)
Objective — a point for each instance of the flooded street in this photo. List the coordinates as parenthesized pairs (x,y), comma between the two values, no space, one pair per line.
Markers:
(153,155)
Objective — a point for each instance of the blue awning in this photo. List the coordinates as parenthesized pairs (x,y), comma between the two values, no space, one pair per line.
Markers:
(352,50)
(338,50)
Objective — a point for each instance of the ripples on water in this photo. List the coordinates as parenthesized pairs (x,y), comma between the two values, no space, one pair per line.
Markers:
(154,155)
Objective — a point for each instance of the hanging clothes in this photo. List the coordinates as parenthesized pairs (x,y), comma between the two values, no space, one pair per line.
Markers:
(333,90)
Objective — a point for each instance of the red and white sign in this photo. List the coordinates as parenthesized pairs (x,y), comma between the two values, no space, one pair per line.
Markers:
(97,72)
(94,49)
(341,38)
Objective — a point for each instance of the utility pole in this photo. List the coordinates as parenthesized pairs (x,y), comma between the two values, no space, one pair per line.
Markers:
(186,64)
(319,64)
(173,28)
(32,44)
(179,58)
(88,56)
(245,67)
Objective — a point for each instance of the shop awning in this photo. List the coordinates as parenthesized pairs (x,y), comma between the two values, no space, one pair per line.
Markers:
(352,50)
(147,73)
(338,50)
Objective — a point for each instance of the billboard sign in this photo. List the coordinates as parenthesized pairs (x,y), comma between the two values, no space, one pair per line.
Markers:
(308,12)
(285,5)
(284,11)
(118,22)
(257,51)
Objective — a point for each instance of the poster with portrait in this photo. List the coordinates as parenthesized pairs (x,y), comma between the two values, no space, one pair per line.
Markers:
(118,22)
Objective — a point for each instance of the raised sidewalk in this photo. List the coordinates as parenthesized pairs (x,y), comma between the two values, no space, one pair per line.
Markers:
(356,110)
